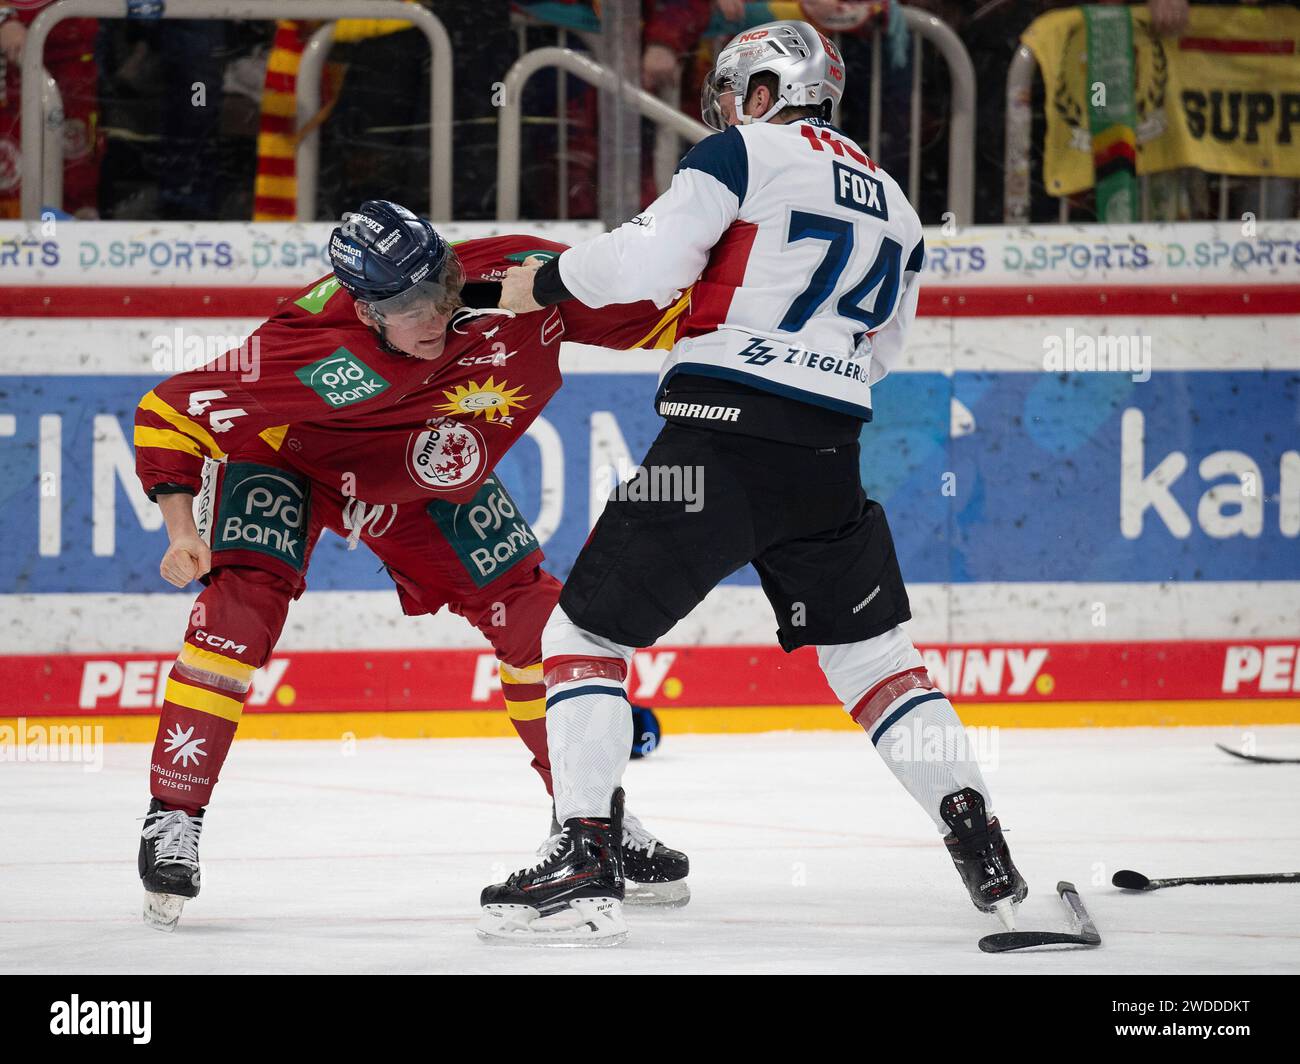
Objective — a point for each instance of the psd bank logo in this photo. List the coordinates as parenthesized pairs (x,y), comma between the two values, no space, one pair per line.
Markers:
(487,533)
(263,509)
(342,379)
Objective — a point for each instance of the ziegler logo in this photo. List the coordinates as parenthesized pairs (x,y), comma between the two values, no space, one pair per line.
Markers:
(445,455)
(342,379)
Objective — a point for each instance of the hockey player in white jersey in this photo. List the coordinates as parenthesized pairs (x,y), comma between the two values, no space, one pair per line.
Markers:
(790,264)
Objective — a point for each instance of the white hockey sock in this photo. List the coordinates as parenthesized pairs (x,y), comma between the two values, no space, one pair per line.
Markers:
(885,688)
(589,731)
(922,741)
(588,718)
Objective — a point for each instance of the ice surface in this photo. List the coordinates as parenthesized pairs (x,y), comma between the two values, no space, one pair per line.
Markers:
(807,856)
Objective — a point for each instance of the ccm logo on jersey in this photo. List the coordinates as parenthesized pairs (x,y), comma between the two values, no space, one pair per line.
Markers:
(859,192)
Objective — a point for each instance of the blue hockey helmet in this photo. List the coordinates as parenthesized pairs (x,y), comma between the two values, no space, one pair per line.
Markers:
(394,261)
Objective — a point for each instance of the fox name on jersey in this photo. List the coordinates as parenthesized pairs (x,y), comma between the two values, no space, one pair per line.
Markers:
(807,256)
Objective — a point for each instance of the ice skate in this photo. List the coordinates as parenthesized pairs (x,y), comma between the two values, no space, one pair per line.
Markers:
(653,874)
(572,896)
(980,853)
(169,863)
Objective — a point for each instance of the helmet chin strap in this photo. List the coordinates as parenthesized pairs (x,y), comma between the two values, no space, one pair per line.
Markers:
(748,119)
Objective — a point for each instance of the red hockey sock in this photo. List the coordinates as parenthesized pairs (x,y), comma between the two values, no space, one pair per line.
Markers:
(525,696)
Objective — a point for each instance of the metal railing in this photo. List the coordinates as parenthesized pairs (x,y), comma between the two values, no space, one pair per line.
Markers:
(52,139)
(35,189)
(1018,152)
(961,123)
(510,129)
(961,130)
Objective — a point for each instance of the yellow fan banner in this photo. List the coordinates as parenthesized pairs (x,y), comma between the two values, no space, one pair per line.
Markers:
(1224,97)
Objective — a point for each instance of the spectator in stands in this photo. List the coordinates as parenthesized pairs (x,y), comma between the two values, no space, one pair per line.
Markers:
(70,59)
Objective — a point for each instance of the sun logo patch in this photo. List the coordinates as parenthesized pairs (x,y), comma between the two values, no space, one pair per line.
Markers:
(491,400)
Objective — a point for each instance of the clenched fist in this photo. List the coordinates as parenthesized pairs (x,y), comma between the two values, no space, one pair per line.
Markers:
(186,559)
(517,287)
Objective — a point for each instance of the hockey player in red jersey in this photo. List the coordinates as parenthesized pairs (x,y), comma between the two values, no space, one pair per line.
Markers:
(375,404)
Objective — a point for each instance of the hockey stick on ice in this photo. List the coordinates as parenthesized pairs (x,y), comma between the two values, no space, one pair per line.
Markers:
(1086,934)
(1259,759)
(1127,879)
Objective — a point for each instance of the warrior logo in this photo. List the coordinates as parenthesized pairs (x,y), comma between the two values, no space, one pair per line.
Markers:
(445,455)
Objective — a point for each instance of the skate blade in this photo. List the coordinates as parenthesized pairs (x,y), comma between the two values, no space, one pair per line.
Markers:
(162,911)
(1005,910)
(667,895)
(587,922)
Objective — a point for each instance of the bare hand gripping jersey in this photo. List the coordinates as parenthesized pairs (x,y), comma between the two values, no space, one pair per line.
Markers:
(807,256)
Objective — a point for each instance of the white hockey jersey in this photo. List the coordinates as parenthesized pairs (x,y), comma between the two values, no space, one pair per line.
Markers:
(802,258)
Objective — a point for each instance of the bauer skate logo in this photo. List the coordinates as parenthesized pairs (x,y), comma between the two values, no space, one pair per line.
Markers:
(446,455)
(487,533)
(342,379)
(264,510)
(133,1019)
(183,747)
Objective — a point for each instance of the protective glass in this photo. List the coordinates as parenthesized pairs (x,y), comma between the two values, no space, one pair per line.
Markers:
(440,295)
(720,82)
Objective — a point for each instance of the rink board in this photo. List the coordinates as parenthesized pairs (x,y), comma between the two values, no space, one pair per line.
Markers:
(1081,547)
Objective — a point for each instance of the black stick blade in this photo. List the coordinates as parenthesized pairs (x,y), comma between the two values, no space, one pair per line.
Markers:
(1127,879)
(1006,941)
(1259,759)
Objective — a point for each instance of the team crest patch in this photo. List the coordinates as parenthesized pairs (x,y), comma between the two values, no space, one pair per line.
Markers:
(492,400)
(263,509)
(445,455)
(342,379)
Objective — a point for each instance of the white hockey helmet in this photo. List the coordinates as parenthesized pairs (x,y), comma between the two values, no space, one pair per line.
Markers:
(808,67)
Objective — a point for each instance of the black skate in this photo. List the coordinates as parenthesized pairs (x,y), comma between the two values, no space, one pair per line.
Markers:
(169,863)
(980,853)
(653,874)
(572,896)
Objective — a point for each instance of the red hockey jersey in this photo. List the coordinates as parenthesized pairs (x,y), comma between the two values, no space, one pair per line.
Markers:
(316,385)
